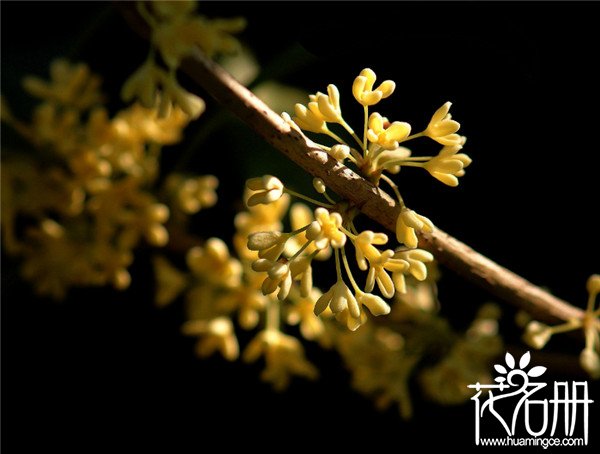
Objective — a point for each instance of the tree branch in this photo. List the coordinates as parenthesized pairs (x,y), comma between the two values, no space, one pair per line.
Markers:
(371,200)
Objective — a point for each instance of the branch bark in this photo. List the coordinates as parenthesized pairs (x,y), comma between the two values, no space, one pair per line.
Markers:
(369,199)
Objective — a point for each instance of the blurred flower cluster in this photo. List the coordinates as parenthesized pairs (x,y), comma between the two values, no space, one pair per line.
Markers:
(538,334)
(82,195)
(177,31)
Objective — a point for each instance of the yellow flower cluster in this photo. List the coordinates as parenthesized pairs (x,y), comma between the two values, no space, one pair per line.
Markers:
(77,208)
(220,287)
(222,293)
(538,334)
(384,358)
(177,31)
(287,257)
(381,148)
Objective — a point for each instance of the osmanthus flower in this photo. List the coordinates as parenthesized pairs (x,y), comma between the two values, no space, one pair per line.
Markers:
(269,245)
(416,259)
(448,165)
(300,216)
(339,152)
(278,277)
(442,128)
(138,124)
(284,358)
(378,267)
(352,323)
(325,230)
(329,104)
(177,30)
(142,85)
(191,194)
(213,263)
(301,312)
(268,189)
(216,335)
(151,223)
(408,223)
(375,304)
(247,300)
(156,88)
(338,298)
(538,334)
(363,90)
(71,85)
(281,273)
(256,219)
(385,134)
(364,245)
(310,118)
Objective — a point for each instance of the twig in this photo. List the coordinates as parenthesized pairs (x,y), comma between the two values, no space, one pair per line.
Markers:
(371,200)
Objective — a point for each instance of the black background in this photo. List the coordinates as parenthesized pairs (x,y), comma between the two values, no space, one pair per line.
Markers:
(109,370)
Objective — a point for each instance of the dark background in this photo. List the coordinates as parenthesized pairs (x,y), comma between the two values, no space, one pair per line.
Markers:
(107,369)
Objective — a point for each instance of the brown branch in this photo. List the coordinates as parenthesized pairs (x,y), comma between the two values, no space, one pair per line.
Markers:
(371,200)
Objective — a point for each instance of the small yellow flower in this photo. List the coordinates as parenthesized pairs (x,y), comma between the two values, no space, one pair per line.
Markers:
(284,357)
(72,85)
(339,152)
(593,286)
(155,88)
(269,190)
(177,37)
(300,216)
(352,323)
(215,335)
(448,165)
(442,128)
(192,194)
(537,334)
(363,91)
(310,119)
(384,134)
(258,218)
(302,271)
(338,298)
(278,277)
(390,160)
(408,223)
(416,259)
(375,304)
(329,104)
(175,94)
(302,313)
(142,85)
(213,263)
(269,245)
(364,248)
(377,273)
(325,230)
(247,300)
(155,232)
